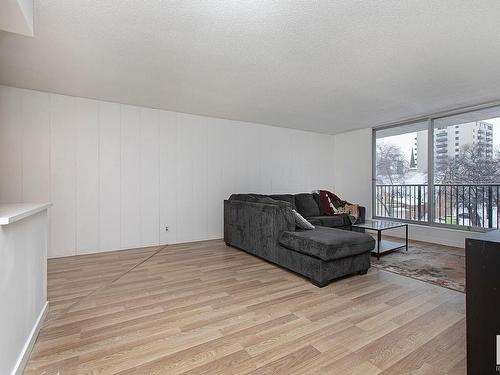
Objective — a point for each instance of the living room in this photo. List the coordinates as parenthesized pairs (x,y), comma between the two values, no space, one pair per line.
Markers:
(244,188)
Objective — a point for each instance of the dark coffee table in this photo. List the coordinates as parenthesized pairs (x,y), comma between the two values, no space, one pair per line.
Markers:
(384,246)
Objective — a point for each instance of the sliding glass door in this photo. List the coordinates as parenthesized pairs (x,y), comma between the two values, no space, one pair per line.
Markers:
(440,170)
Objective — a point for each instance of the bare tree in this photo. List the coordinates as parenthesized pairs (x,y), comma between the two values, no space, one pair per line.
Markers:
(391,164)
(470,166)
(466,177)
(392,168)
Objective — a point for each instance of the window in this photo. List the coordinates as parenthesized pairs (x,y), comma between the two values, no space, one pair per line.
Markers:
(448,184)
(401,178)
(466,184)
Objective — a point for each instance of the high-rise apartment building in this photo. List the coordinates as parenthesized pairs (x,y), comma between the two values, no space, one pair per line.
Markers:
(449,140)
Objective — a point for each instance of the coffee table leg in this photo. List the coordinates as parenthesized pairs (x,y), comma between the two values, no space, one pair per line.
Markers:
(406,237)
(379,238)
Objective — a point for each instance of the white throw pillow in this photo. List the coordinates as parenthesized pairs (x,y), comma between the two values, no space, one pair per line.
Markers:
(301,222)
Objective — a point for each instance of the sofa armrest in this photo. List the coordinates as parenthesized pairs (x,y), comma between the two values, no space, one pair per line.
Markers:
(250,225)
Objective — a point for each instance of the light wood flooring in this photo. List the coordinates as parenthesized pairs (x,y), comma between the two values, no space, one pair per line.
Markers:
(204,308)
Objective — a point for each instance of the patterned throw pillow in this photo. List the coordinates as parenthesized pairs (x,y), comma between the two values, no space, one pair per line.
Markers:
(301,222)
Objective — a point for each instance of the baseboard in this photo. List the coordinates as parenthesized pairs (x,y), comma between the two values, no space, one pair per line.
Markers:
(30,342)
(100,251)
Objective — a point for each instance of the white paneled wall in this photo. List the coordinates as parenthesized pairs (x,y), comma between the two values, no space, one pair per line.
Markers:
(149,176)
(87,176)
(62,172)
(109,176)
(119,174)
(130,166)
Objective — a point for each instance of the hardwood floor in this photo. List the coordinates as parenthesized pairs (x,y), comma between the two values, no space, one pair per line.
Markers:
(204,308)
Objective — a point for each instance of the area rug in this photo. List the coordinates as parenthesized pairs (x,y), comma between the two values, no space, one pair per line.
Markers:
(436,264)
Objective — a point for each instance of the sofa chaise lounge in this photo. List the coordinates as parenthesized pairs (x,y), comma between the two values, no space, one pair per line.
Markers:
(264,225)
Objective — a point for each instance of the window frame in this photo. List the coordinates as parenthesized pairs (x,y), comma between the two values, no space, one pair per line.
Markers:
(430,167)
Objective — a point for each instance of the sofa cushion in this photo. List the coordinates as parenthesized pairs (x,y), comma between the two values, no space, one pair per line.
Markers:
(269,200)
(330,221)
(327,243)
(246,197)
(284,197)
(316,199)
(306,205)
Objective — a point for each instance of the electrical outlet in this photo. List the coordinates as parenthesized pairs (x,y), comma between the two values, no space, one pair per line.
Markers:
(166,229)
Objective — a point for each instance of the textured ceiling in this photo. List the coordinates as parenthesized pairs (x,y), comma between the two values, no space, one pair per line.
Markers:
(326,66)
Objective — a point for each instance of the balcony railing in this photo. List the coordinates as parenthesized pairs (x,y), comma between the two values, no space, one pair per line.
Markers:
(468,205)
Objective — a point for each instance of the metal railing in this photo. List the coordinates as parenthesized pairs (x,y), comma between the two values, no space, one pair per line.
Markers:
(469,205)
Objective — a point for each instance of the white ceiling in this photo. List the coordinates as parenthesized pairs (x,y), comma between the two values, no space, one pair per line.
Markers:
(327,66)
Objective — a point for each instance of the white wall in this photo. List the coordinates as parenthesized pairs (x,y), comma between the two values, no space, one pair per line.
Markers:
(353,182)
(118,174)
(353,167)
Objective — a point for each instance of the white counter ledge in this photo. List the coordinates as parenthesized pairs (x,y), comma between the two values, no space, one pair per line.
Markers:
(23,281)
(12,212)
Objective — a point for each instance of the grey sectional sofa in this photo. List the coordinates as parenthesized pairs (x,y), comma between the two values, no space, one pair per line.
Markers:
(264,225)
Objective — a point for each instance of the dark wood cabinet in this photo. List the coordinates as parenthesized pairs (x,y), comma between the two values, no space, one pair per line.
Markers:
(483,303)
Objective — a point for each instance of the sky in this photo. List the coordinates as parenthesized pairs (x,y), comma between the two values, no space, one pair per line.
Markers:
(407,141)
